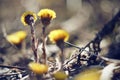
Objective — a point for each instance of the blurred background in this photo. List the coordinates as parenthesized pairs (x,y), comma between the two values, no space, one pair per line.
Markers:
(81,18)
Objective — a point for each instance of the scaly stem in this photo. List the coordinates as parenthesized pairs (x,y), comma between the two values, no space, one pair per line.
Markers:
(34,43)
(44,42)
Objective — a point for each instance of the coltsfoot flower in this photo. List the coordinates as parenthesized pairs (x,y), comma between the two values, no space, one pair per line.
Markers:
(17,37)
(38,68)
(60,75)
(28,18)
(89,74)
(58,35)
(21,34)
(13,39)
(46,15)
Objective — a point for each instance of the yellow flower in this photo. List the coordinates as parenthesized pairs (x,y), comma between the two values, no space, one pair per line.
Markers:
(38,68)
(21,34)
(89,74)
(17,37)
(57,35)
(46,15)
(60,75)
(13,39)
(28,17)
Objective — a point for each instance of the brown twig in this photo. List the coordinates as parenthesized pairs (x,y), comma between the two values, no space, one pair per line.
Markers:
(70,44)
(109,60)
(6,66)
(81,50)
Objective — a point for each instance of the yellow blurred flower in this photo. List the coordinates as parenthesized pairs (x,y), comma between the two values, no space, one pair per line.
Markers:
(38,68)
(17,37)
(28,17)
(13,39)
(46,15)
(57,35)
(60,75)
(21,34)
(89,74)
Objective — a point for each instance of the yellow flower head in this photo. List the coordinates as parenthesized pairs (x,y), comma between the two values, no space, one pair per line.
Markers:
(38,68)
(46,15)
(28,18)
(57,35)
(60,75)
(89,74)
(13,39)
(17,37)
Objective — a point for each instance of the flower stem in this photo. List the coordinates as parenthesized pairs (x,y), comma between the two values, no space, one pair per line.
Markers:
(62,58)
(34,43)
(44,42)
(60,44)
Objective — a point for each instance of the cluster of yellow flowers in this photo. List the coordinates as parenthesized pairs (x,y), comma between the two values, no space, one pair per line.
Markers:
(46,15)
(57,36)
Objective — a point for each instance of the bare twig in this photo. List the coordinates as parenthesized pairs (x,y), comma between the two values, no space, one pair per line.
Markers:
(68,43)
(6,66)
(25,77)
(81,50)
(109,60)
